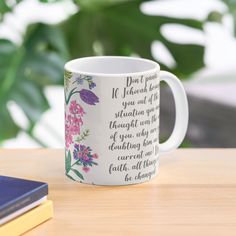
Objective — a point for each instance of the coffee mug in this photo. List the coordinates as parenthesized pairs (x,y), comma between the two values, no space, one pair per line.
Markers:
(112,106)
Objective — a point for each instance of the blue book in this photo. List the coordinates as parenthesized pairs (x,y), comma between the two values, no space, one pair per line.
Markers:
(16,194)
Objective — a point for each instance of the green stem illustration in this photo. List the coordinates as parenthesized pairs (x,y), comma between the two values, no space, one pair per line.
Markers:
(83,136)
(72,92)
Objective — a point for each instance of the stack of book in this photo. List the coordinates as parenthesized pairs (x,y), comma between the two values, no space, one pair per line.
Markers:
(23,205)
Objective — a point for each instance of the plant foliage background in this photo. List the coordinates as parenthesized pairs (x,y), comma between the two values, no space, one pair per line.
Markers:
(101,27)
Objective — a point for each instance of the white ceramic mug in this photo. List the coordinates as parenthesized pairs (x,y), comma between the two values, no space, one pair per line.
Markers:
(112,119)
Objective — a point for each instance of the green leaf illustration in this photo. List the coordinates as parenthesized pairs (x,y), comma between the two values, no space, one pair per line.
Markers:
(83,136)
(67,77)
(78,174)
(68,162)
(71,93)
(70,177)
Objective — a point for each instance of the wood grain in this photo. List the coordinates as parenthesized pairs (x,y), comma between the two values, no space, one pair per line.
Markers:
(194,194)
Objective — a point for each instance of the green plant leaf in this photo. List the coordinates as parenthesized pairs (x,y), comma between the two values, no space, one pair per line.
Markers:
(78,173)
(122,29)
(7,6)
(68,161)
(101,27)
(8,128)
(26,70)
(98,4)
(4,7)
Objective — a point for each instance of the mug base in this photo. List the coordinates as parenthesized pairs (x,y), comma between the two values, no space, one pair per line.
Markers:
(115,184)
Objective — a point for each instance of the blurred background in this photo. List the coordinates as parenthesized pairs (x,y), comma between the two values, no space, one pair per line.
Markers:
(193,39)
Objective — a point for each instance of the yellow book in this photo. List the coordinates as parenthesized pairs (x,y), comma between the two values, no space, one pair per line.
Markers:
(28,220)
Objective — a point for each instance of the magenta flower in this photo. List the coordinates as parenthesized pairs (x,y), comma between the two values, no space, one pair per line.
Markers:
(73,122)
(84,156)
(68,136)
(85,169)
(77,120)
(73,125)
(95,156)
(76,109)
(88,97)
(74,129)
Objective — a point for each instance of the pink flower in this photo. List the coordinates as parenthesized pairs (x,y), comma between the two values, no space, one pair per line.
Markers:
(76,109)
(74,129)
(68,136)
(80,154)
(86,151)
(68,141)
(85,169)
(77,120)
(95,156)
(85,158)
(81,111)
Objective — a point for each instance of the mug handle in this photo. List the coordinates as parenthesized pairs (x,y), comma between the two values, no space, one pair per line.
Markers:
(181,110)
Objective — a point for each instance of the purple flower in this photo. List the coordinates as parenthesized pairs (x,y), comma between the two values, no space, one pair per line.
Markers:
(88,97)
(84,155)
(79,80)
(92,85)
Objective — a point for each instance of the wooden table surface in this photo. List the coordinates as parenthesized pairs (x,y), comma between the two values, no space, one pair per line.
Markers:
(194,194)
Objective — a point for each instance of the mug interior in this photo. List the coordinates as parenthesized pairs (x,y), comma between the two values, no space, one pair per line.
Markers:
(111,65)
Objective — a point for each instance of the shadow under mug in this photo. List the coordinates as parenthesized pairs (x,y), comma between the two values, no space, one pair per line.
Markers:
(112,119)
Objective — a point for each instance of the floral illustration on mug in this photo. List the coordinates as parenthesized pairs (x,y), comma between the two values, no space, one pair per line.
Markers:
(82,155)
(67,77)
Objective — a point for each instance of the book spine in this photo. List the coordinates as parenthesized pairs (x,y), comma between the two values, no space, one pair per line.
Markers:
(25,200)
(27,221)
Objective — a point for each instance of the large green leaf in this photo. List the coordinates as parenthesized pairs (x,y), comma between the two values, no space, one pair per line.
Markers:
(108,27)
(122,29)
(7,6)
(25,70)
(3,8)
(8,128)
(91,5)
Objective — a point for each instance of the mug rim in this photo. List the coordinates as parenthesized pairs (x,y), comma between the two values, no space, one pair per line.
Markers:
(156,66)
